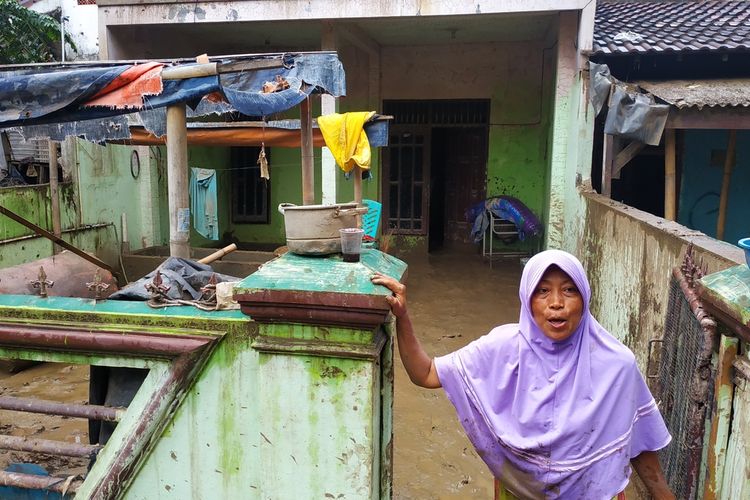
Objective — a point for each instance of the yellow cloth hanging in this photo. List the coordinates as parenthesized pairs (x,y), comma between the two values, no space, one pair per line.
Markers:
(345,137)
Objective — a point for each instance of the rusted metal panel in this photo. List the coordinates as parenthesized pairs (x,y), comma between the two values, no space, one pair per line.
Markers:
(69,339)
(94,412)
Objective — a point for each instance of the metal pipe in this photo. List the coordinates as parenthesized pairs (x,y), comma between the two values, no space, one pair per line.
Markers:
(93,412)
(51,338)
(36,482)
(48,446)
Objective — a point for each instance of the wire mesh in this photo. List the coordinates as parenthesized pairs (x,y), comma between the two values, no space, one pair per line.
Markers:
(681,392)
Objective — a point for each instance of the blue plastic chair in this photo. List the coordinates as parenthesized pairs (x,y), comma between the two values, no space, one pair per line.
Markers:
(371,220)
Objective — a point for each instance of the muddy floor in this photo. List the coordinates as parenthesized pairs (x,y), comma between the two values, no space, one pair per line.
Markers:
(453,298)
(52,382)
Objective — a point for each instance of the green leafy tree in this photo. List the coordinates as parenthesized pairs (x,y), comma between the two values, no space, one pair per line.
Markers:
(27,36)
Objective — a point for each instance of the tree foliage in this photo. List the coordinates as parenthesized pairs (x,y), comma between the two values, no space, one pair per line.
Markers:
(27,36)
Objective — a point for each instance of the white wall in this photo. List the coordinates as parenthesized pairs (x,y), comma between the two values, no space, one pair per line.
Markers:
(81,25)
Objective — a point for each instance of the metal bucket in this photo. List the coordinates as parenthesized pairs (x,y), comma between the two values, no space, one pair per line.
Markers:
(314,229)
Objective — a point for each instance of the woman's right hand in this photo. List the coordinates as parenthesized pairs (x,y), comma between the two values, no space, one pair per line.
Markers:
(397,301)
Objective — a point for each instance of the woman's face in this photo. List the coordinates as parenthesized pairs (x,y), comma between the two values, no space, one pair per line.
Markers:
(556,304)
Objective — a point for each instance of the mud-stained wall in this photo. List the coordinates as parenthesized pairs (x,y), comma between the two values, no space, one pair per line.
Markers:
(629,255)
(515,77)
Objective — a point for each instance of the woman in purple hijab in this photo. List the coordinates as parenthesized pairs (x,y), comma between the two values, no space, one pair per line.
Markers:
(554,405)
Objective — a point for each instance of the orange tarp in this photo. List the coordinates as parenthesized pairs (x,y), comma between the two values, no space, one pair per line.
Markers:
(246,136)
(127,90)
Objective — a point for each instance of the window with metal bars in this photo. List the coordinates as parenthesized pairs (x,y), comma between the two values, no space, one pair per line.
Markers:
(439,112)
(250,196)
(406,182)
(407,157)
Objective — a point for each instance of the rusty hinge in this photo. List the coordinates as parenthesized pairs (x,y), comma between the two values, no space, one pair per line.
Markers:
(741,372)
(649,375)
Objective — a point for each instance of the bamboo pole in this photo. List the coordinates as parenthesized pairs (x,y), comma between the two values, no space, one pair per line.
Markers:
(308,172)
(670,175)
(218,254)
(177,182)
(54,194)
(357,173)
(724,200)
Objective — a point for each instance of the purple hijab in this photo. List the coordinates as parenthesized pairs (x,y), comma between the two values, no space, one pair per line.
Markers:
(553,419)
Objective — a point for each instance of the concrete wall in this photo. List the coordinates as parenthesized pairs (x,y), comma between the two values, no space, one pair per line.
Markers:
(701,184)
(629,255)
(517,79)
(81,24)
(91,203)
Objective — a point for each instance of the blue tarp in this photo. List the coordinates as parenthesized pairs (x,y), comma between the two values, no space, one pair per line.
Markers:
(46,95)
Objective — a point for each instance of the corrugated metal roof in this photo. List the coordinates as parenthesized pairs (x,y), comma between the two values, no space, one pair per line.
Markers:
(699,93)
(653,27)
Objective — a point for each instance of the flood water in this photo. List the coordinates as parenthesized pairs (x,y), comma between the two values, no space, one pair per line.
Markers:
(453,298)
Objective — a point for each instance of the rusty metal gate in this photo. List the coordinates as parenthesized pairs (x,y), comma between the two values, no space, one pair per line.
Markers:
(685,379)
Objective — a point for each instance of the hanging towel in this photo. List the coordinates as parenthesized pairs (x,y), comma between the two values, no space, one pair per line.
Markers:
(203,202)
(345,137)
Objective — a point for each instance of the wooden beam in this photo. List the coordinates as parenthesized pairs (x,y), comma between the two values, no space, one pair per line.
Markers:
(724,199)
(177,182)
(670,175)
(54,194)
(608,156)
(358,38)
(709,118)
(308,172)
(624,156)
(43,232)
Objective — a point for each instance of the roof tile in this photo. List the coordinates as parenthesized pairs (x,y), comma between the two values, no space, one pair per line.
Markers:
(650,26)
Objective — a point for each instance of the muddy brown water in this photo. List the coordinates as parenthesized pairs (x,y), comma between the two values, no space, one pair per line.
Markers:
(453,298)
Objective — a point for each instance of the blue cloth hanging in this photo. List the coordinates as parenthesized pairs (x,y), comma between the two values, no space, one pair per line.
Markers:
(203,202)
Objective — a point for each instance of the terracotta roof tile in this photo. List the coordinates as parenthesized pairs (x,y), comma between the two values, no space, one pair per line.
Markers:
(657,26)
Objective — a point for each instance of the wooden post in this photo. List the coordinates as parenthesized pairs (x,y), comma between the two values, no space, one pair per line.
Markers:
(608,158)
(724,200)
(54,194)
(177,182)
(670,175)
(721,418)
(308,172)
(357,175)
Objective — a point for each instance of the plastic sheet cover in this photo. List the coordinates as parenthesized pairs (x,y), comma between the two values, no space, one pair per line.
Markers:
(631,114)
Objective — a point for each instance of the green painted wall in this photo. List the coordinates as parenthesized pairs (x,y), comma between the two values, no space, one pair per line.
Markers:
(106,189)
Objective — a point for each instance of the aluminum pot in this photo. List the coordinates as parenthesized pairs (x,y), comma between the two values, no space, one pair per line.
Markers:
(314,229)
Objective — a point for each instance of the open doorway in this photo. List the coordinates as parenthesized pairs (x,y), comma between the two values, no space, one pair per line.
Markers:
(435,168)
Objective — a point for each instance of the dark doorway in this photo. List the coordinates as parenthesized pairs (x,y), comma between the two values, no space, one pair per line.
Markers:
(458,173)
(435,168)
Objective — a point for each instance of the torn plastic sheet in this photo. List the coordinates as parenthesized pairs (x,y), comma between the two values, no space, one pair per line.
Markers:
(635,116)
(600,85)
(113,128)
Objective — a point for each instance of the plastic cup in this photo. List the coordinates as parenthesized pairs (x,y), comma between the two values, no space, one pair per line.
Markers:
(351,243)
